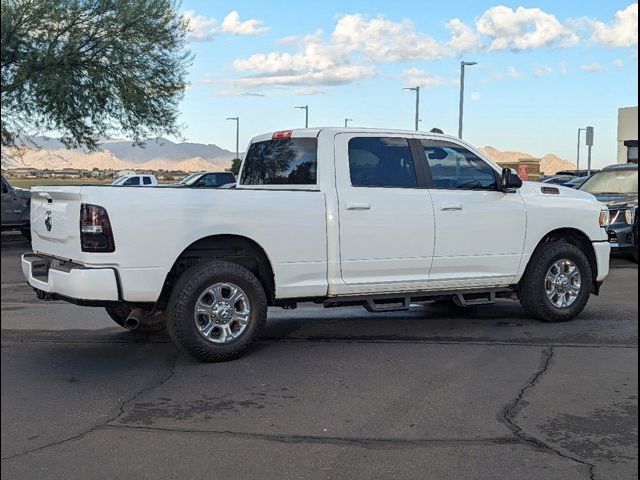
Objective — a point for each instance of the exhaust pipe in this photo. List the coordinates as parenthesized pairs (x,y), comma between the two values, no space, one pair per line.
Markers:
(134,319)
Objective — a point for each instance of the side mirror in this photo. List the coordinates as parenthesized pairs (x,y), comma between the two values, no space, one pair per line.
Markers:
(509,180)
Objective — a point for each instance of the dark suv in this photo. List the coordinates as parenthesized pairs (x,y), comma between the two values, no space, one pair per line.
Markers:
(15,208)
(617,187)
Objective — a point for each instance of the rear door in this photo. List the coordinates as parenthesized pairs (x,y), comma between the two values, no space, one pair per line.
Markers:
(480,230)
(386,217)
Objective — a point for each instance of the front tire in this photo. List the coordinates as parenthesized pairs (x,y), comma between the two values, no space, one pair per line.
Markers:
(557,284)
(216,310)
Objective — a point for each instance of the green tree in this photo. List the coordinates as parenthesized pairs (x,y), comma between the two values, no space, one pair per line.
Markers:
(235,166)
(92,68)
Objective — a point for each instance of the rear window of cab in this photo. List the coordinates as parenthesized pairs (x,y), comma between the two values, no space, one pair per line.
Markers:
(286,161)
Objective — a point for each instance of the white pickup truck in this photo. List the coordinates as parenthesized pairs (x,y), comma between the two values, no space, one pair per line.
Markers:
(378,218)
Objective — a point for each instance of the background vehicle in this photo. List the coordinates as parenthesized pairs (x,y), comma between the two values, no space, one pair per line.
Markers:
(558,179)
(136,181)
(337,216)
(15,208)
(576,182)
(209,180)
(617,187)
(576,173)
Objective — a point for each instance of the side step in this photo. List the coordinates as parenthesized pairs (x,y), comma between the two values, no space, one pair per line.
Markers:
(388,305)
(488,298)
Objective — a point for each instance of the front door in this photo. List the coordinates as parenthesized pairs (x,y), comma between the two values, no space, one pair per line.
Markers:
(386,216)
(480,230)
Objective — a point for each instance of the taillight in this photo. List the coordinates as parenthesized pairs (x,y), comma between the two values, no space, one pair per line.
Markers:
(95,229)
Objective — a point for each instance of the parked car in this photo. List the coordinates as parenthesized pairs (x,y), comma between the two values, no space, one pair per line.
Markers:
(576,173)
(576,182)
(559,179)
(617,187)
(136,181)
(371,217)
(15,208)
(209,180)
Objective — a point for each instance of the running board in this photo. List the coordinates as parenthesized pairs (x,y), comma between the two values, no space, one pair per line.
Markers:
(484,299)
(402,301)
(389,305)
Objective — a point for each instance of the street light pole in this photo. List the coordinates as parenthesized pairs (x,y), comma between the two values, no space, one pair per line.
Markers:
(461,108)
(237,120)
(578,151)
(306,114)
(346,122)
(417,90)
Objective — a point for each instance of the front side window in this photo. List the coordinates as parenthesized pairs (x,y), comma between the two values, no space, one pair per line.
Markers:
(455,168)
(381,162)
(286,161)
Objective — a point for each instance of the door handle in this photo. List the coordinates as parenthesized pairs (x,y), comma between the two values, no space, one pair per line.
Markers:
(451,207)
(358,206)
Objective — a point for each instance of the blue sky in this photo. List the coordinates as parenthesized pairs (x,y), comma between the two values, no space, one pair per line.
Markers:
(544,69)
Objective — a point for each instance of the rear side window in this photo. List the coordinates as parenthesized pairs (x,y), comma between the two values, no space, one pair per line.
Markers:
(381,162)
(287,161)
(132,181)
(146,180)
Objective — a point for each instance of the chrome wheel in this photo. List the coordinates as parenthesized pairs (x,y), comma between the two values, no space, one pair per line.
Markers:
(222,312)
(563,283)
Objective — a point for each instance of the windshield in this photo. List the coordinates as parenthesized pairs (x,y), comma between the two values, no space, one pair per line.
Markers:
(118,181)
(189,179)
(613,181)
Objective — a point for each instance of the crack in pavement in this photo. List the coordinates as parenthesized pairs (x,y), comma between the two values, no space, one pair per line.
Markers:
(512,409)
(119,411)
(366,442)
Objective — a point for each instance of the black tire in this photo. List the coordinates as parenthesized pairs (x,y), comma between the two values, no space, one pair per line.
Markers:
(26,233)
(150,323)
(533,296)
(181,323)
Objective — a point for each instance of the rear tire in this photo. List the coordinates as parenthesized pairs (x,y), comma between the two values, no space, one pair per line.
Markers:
(535,285)
(150,323)
(204,319)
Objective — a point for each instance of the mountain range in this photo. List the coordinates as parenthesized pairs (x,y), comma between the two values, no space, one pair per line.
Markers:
(118,154)
(160,153)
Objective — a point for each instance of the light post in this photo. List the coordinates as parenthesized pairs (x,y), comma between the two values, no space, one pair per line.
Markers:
(346,122)
(417,90)
(237,120)
(461,111)
(306,114)
(578,153)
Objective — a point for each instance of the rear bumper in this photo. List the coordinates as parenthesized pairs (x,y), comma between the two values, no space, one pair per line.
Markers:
(70,281)
(603,253)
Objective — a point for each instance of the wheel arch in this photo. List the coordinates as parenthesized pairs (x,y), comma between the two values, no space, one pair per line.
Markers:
(236,249)
(576,238)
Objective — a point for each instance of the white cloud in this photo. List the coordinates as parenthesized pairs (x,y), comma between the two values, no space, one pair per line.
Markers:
(202,28)
(542,70)
(592,67)
(475,96)
(463,37)
(382,40)
(414,77)
(513,72)
(622,32)
(234,26)
(618,63)
(523,29)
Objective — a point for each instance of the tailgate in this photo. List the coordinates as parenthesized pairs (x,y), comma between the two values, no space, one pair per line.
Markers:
(55,221)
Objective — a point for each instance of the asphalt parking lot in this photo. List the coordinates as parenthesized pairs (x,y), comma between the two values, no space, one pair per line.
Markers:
(437,392)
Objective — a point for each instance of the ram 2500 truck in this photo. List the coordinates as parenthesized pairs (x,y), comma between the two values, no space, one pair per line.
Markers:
(378,218)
